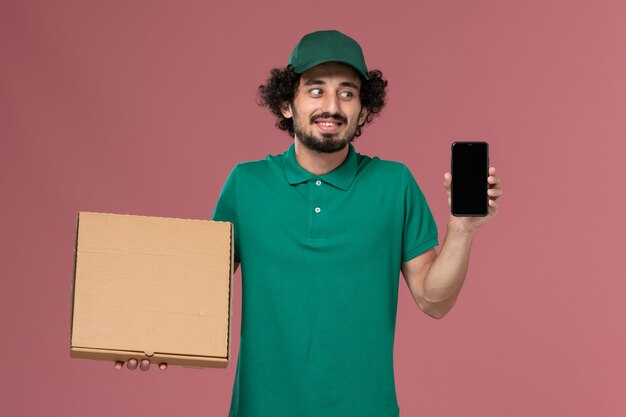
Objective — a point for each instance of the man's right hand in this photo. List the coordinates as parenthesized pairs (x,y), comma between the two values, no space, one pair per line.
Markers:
(144,365)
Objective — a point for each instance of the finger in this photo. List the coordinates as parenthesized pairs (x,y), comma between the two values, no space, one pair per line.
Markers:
(163,366)
(493,208)
(144,365)
(494,193)
(119,364)
(132,364)
(492,171)
(493,180)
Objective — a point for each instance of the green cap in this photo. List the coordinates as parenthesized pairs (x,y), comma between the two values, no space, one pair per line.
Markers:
(326,46)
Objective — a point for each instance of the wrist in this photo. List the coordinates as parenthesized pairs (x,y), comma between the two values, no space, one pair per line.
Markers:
(460,228)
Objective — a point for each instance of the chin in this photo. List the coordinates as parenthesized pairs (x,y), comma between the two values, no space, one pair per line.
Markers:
(323,142)
(326,145)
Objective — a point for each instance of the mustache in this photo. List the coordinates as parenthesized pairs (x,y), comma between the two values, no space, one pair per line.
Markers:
(338,117)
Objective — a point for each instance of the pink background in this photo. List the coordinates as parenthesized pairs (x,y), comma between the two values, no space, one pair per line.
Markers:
(143,107)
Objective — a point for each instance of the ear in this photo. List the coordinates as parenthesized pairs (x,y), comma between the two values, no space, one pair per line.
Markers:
(363,115)
(286,110)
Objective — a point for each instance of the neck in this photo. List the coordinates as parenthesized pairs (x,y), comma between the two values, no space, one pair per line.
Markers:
(319,163)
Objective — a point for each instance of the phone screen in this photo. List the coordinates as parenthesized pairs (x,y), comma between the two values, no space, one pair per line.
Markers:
(470,169)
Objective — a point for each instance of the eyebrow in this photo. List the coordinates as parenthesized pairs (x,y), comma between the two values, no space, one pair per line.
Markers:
(343,83)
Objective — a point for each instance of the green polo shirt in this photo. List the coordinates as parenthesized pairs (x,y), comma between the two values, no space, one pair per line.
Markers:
(320,259)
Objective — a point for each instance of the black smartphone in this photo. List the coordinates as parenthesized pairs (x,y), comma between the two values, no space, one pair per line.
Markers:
(470,169)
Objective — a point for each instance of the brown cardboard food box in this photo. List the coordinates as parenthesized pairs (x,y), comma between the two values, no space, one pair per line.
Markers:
(152,287)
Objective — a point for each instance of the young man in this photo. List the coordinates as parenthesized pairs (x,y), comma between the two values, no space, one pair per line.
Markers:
(322,234)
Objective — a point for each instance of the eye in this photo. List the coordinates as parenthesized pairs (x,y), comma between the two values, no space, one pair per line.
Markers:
(346,94)
(315,91)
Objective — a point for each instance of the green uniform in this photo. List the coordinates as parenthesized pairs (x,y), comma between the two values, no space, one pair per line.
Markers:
(320,259)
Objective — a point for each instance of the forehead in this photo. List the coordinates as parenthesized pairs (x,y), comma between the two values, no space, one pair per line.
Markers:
(334,71)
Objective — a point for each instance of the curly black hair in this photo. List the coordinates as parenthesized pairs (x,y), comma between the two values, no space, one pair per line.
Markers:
(281,88)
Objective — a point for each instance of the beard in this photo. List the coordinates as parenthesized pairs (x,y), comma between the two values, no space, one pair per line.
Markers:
(326,143)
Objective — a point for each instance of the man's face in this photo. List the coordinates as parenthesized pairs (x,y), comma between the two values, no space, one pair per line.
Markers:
(327,109)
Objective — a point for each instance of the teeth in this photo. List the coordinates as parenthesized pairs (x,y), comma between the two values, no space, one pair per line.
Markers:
(328,124)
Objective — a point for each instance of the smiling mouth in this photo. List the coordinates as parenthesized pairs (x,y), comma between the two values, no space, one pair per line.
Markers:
(328,124)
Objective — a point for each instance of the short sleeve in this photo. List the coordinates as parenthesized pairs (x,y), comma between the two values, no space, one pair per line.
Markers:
(226,207)
(420,230)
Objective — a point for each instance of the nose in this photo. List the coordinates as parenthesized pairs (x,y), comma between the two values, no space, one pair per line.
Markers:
(330,104)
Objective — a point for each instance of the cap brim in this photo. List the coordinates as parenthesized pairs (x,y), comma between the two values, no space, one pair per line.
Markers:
(303,68)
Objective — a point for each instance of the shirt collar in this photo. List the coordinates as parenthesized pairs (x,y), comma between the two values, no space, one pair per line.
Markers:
(340,177)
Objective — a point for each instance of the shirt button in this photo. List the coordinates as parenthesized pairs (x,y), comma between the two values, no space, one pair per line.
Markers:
(318,182)
(317,209)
